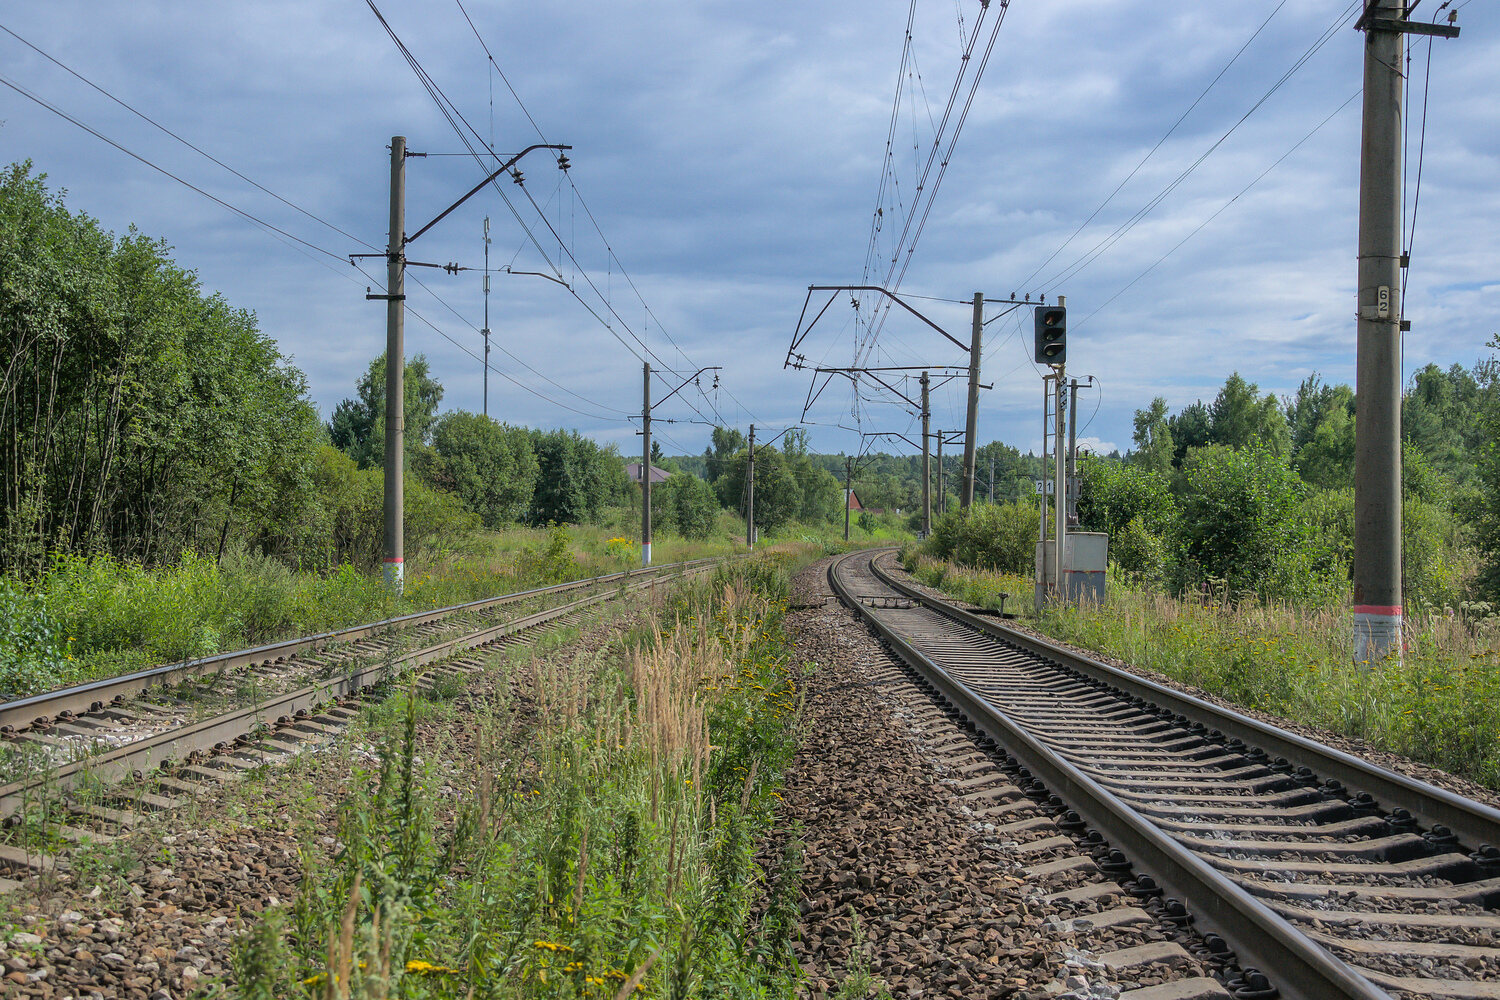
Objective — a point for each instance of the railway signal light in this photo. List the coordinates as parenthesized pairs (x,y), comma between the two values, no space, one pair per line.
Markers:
(1051,344)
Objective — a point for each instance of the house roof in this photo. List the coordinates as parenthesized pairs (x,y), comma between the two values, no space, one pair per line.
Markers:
(633,470)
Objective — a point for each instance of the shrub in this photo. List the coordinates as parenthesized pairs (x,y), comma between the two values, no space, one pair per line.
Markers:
(32,653)
(988,536)
(686,503)
(1240,517)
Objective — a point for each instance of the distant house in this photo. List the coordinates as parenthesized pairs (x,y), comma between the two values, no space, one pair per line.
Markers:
(633,470)
(851,500)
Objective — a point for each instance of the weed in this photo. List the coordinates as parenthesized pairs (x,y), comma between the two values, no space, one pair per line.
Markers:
(859,983)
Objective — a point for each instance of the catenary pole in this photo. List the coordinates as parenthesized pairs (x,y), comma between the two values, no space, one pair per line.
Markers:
(1060,486)
(926,458)
(750,493)
(1070,492)
(646,465)
(848,477)
(971,419)
(486,330)
(395,371)
(1377,445)
(942,495)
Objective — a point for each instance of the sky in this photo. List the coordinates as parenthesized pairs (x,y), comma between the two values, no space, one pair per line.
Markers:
(726,155)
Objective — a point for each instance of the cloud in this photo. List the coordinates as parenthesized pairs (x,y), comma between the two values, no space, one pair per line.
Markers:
(731,153)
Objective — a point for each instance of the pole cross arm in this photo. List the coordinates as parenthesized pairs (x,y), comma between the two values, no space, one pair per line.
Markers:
(690,378)
(800,334)
(477,187)
(1411,27)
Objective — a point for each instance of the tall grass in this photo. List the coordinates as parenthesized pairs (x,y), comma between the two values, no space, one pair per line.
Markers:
(94,617)
(601,849)
(1440,704)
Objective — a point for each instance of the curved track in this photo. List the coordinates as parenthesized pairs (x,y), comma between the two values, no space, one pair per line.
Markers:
(1336,877)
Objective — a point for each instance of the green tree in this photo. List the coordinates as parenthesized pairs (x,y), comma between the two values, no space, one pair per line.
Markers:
(490,466)
(139,415)
(1440,418)
(1239,417)
(1240,516)
(1485,510)
(727,442)
(576,478)
(1112,494)
(1191,427)
(1154,449)
(687,504)
(358,425)
(1326,458)
(778,498)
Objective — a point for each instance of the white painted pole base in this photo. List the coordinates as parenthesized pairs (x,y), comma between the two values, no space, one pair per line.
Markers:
(1377,634)
(646,554)
(395,575)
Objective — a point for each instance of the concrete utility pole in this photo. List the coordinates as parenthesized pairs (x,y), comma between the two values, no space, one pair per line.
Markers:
(1071,503)
(848,480)
(750,493)
(486,330)
(942,495)
(992,478)
(395,373)
(971,423)
(1047,393)
(1377,439)
(926,459)
(646,466)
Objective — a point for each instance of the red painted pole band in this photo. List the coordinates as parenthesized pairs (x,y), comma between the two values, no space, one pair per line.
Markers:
(395,560)
(1377,609)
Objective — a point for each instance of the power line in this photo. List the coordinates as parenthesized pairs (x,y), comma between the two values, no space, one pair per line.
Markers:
(1199,228)
(153,122)
(1152,152)
(588,212)
(165,172)
(931,195)
(503,350)
(450,112)
(1121,230)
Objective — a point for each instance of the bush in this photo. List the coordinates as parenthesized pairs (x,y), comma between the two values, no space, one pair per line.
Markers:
(1139,551)
(32,653)
(685,503)
(988,536)
(1241,519)
(490,466)
(1111,495)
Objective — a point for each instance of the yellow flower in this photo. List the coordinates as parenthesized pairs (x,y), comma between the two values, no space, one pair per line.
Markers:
(422,968)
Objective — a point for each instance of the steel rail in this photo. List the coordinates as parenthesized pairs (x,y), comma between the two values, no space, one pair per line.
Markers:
(1300,968)
(1474,822)
(94,695)
(175,744)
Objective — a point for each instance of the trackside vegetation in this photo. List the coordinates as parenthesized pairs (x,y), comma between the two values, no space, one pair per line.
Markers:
(1440,705)
(1231,538)
(603,846)
(168,490)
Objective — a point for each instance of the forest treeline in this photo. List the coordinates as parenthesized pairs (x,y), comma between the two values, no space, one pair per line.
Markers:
(144,417)
(1252,496)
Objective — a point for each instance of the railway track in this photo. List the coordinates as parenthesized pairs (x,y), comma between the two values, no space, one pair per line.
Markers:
(1335,877)
(137,755)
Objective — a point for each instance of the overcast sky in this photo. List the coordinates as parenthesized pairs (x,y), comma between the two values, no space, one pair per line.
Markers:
(732,154)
